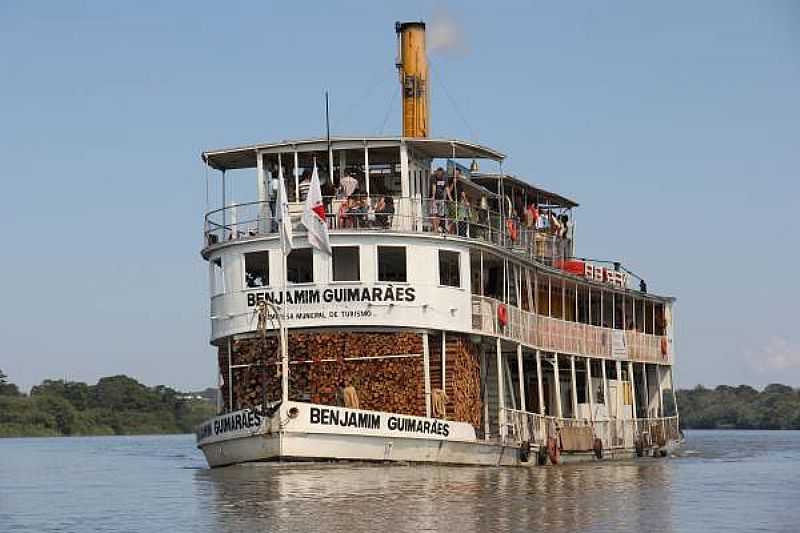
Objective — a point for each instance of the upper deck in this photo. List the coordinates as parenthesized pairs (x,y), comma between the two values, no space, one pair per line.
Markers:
(385,185)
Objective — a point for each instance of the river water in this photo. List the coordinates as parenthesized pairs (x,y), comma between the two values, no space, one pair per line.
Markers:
(732,481)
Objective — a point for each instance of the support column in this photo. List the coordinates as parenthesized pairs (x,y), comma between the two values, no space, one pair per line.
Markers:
(501,397)
(605,391)
(296,176)
(589,388)
(620,393)
(444,360)
(521,376)
(426,365)
(632,379)
(660,379)
(646,391)
(230,376)
(559,412)
(484,382)
(539,381)
(574,387)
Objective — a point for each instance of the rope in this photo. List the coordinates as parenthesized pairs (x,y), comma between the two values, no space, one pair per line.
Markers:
(452,102)
(388,112)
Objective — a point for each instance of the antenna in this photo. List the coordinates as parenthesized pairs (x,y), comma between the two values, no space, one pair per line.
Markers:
(328,132)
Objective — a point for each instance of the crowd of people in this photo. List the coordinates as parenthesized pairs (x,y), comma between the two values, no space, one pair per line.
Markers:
(452,208)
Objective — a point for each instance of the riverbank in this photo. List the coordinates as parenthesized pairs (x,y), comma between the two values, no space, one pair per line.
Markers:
(116,405)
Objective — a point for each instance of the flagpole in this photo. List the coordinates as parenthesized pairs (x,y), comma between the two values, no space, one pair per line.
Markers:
(330,149)
(282,319)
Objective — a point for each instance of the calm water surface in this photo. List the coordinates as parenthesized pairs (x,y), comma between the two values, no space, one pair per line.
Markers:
(730,481)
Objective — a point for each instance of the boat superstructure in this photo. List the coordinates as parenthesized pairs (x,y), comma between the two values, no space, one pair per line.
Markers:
(452,322)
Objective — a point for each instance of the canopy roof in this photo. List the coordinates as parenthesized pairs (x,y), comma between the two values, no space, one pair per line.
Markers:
(245,156)
(534,192)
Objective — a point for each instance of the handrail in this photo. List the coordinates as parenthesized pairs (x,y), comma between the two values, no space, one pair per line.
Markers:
(535,428)
(555,334)
(414,215)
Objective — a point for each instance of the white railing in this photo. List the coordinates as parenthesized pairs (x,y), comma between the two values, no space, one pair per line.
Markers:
(388,213)
(533,428)
(552,334)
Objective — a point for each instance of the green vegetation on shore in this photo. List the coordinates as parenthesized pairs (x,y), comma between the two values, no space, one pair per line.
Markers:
(120,405)
(116,405)
(742,407)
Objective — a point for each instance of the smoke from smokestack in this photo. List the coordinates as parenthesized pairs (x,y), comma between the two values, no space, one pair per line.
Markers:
(445,33)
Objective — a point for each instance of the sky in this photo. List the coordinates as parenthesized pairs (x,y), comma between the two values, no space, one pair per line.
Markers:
(675,125)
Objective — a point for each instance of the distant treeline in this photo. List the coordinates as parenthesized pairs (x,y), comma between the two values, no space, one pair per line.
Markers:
(116,405)
(742,407)
(120,405)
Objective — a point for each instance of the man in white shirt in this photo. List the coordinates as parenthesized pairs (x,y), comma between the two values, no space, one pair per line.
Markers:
(348,185)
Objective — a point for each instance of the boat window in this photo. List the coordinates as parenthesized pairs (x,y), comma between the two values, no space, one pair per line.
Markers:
(580,387)
(346,263)
(660,321)
(583,304)
(475,272)
(628,312)
(513,285)
(648,317)
(543,295)
(570,292)
(493,277)
(556,298)
(524,303)
(256,269)
(638,311)
(595,307)
(608,309)
(216,278)
(449,268)
(392,263)
(619,311)
(300,266)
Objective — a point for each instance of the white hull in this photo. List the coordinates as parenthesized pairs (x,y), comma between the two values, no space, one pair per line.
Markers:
(281,438)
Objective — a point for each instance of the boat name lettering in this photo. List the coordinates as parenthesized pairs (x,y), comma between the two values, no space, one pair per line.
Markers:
(335,417)
(334,295)
(234,422)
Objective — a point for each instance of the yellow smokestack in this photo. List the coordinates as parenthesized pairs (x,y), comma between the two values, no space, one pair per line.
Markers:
(412,64)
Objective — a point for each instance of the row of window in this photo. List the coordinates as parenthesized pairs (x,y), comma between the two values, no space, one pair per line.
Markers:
(345,263)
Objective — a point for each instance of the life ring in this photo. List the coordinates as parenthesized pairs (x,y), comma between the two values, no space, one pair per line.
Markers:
(664,346)
(502,315)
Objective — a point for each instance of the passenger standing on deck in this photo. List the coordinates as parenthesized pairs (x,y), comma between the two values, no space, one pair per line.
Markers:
(438,210)
(305,184)
(348,185)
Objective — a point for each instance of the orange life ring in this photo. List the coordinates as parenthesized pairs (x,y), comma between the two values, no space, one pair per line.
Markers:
(664,346)
(502,314)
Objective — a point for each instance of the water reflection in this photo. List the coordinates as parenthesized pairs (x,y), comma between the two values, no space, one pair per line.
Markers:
(627,496)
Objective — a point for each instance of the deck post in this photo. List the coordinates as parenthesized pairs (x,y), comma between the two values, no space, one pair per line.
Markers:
(521,374)
(230,376)
(296,176)
(659,377)
(539,381)
(633,388)
(501,397)
(559,412)
(426,366)
(646,391)
(589,387)
(444,360)
(605,391)
(574,388)
(366,167)
(484,382)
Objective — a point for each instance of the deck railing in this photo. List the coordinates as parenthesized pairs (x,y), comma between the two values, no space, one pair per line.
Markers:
(553,334)
(524,426)
(404,215)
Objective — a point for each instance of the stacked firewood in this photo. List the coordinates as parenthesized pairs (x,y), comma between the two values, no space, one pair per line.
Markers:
(390,378)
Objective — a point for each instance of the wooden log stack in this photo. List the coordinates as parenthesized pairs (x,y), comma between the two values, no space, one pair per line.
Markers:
(390,378)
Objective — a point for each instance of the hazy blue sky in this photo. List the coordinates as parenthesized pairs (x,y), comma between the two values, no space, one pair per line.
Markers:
(676,126)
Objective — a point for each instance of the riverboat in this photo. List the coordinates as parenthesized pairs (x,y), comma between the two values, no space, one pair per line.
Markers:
(451,320)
